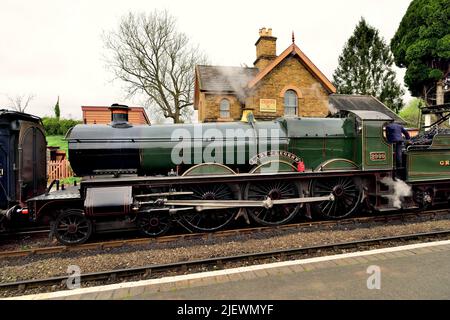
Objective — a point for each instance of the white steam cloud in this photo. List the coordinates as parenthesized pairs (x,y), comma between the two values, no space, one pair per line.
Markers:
(237,79)
(332,109)
(401,190)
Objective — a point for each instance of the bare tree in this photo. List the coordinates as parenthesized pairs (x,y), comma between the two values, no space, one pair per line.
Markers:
(20,102)
(153,58)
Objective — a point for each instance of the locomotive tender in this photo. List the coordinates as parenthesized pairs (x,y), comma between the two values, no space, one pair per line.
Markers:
(204,176)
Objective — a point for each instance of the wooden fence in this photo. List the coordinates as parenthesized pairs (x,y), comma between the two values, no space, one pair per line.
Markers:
(59,170)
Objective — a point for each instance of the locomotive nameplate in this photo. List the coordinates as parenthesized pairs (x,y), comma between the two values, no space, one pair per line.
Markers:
(274,153)
(378,156)
(268,105)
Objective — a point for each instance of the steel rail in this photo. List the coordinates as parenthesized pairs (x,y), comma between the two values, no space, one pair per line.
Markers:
(219,262)
(218,234)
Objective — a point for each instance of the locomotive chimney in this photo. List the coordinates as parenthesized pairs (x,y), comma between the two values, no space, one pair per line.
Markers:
(266,48)
(119,116)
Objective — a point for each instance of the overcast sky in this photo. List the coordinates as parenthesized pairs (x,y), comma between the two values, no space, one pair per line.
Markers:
(52,48)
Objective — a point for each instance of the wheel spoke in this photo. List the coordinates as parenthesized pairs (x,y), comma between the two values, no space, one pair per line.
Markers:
(72,227)
(276,190)
(346,195)
(209,220)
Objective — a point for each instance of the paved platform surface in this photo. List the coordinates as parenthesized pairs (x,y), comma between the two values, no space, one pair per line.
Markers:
(409,272)
(412,274)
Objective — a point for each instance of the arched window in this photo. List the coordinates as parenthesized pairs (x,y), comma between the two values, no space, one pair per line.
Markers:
(290,103)
(224,108)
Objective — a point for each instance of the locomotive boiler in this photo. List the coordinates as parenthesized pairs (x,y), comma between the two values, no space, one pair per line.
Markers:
(151,150)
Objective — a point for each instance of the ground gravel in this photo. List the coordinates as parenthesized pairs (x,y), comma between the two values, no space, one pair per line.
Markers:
(43,266)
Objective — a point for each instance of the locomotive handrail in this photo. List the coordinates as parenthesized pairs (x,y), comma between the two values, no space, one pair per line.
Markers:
(47,191)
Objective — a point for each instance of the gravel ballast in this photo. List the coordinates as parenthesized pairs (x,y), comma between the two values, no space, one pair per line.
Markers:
(49,265)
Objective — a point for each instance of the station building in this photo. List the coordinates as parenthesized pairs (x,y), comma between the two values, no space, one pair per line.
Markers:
(289,84)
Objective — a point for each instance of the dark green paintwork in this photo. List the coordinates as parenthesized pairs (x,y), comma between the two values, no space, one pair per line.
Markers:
(432,163)
(375,143)
(317,140)
(313,140)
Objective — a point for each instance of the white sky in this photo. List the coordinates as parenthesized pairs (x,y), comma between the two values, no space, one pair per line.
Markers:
(52,48)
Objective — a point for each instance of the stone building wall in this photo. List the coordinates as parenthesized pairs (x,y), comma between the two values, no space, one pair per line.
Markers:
(210,107)
(289,74)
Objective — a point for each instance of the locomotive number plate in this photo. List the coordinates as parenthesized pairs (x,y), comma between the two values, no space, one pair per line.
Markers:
(378,156)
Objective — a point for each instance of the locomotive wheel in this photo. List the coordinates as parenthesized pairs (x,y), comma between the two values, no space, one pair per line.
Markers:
(347,197)
(276,190)
(72,227)
(210,220)
(153,224)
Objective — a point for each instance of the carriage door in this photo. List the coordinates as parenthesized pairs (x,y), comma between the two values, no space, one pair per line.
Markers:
(32,162)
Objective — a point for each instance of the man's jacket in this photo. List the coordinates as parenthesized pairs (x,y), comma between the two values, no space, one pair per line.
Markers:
(394,132)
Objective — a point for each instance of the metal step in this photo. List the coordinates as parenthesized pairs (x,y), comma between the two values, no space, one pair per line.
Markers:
(387,209)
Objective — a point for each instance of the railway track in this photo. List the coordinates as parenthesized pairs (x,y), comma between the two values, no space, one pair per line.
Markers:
(223,233)
(160,270)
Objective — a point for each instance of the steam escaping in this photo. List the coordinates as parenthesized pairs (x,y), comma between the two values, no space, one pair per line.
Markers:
(332,109)
(401,190)
(237,78)
(315,90)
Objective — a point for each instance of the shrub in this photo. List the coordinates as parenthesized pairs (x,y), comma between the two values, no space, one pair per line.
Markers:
(54,126)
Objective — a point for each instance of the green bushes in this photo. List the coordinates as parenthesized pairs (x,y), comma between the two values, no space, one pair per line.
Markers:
(54,126)
(411,112)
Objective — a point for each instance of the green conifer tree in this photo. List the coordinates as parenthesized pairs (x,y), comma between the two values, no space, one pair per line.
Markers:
(365,67)
(57,110)
(422,46)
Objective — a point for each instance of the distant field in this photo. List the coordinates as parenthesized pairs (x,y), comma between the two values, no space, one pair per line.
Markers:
(53,141)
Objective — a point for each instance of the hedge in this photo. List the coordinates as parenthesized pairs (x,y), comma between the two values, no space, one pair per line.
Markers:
(54,126)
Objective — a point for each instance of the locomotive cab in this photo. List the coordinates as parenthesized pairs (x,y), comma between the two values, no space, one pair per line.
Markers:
(372,149)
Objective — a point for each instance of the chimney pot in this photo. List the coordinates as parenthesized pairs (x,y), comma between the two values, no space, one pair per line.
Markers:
(119,116)
(265,48)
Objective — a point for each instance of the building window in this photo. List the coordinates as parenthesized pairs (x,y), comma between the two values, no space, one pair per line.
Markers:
(290,103)
(224,108)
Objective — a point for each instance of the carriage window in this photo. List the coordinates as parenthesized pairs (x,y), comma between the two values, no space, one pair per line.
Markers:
(224,108)
(290,103)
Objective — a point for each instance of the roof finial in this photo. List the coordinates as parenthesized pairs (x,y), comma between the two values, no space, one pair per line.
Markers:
(293,37)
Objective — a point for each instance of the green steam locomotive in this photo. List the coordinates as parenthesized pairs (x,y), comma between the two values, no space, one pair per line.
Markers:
(205,176)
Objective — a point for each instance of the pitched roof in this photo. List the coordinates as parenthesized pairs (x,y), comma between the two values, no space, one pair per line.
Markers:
(224,79)
(351,102)
(136,115)
(293,49)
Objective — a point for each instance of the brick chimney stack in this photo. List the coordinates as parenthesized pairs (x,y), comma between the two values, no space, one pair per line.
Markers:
(266,48)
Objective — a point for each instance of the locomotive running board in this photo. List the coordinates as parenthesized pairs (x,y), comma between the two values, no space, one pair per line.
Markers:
(164,194)
(201,205)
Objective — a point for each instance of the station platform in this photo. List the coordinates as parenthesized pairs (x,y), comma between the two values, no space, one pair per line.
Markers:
(419,271)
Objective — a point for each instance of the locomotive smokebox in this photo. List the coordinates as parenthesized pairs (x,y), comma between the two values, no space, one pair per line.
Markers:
(119,116)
